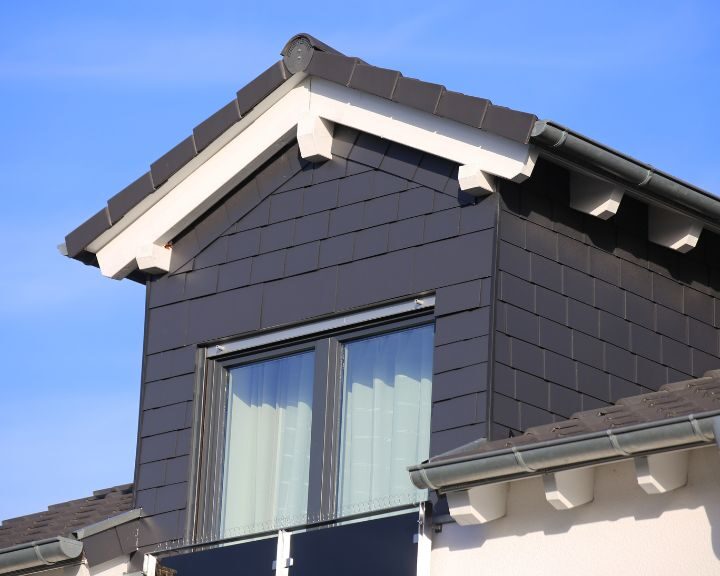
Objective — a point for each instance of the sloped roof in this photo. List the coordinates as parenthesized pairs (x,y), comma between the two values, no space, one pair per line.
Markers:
(62,519)
(303,54)
(689,397)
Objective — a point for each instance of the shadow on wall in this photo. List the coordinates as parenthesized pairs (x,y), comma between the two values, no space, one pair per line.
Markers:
(545,200)
(618,501)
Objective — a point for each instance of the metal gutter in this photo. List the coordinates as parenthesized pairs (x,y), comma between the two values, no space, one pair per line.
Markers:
(108,523)
(641,178)
(39,553)
(584,449)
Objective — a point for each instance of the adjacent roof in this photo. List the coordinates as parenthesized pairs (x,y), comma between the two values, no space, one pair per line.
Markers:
(679,416)
(63,519)
(671,401)
(303,54)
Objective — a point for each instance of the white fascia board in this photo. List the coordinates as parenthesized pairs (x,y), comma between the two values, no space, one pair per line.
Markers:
(148,202)
(257,137)
(416,129)
(206,184)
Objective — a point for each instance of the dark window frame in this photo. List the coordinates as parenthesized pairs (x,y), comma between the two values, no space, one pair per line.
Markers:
(211,416)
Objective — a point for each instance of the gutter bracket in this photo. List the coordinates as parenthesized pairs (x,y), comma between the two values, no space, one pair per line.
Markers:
(568,489)
(660,473)
(479,504)
(594,196)
(673,230)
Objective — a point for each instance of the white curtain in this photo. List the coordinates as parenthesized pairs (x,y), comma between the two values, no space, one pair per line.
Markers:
(385,418)
(267,453)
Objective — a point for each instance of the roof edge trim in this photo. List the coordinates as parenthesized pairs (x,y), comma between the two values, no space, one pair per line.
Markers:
(640,178)
(201,184)
(108,523)
(39,553)
(583,450)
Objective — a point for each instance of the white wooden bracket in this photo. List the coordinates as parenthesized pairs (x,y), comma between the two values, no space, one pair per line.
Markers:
(569,488)
(594,196)
(660,473)
(673,230)
(315,137)
(282,561)
(153,259)
(479,504)
(474,181)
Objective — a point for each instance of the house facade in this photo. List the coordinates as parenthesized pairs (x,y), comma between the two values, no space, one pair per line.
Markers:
(349,274)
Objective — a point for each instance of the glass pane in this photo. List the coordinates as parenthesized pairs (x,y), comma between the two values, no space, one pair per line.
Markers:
(267,453)
(385,419)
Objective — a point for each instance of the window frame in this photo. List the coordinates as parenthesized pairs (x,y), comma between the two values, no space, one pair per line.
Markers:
(211,413)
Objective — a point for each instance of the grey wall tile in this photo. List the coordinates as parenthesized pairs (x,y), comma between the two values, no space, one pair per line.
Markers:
(446,262)
(266,267)
(462,326)
(527,357)
(169,391)
(225,314)
(359,284)
(234,275)
(165,419)
(516,291)
(380,211)
(458,297)
(445,440)
(346,219)
(463,381)
(460,354)
(336,250)
(167,327)
(406,233)
(313,295)
(454,413)
(303,258)
(514,260)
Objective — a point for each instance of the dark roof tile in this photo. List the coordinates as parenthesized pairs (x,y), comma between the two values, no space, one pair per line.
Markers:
(418,94)
(79,238)
(172,161)
(129,197)
(673,400)
(334,67)
(509,123)
(462,108)
(374,80)
(212,127)
(249,96)
(62,519)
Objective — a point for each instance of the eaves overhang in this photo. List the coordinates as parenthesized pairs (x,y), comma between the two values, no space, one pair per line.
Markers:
(600,176)
(649,184)
(41,553)
(307,60)
(463,472)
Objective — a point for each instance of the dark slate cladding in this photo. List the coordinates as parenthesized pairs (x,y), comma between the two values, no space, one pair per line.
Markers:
(588,311)
(372,226)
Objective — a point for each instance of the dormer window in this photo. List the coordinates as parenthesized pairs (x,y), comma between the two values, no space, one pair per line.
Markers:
(323,426)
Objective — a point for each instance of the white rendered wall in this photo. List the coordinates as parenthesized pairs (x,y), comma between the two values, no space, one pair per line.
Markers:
(623,531)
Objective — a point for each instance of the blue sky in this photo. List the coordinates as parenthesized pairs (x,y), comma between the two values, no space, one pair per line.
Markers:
(92,92)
